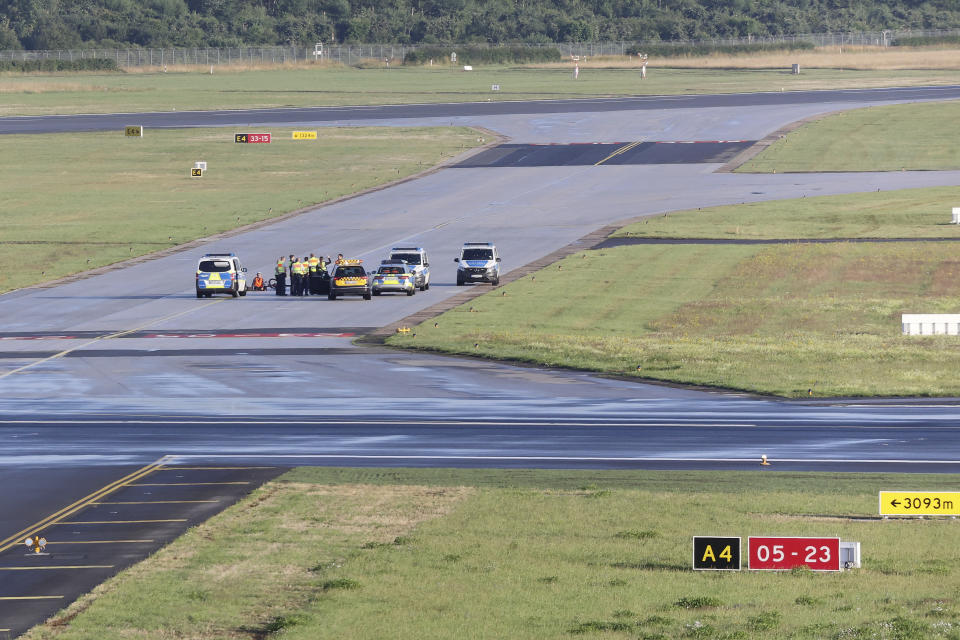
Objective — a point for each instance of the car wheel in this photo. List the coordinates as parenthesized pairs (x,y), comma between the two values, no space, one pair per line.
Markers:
(199,293)
(412,291)
(426,286)
(459,281)
(495,282)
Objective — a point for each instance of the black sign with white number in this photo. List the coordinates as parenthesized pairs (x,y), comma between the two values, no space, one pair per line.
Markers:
(716,554)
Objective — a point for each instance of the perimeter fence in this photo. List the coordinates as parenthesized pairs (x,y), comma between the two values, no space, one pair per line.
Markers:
(353,54)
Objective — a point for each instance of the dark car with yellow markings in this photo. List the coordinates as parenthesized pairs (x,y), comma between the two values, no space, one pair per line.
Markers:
(349,279)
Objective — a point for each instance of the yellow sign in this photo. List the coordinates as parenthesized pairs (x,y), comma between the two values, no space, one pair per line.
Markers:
(304,135)
(196,173)
(920,503)
(133,131)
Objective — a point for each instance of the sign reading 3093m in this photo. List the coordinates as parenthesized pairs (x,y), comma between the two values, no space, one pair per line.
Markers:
(778,554)
(920,503)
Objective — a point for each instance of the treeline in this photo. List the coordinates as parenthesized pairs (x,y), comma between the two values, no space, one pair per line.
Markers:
(60,24)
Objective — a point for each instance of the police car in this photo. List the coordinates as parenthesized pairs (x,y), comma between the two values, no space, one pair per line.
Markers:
(478,262)
(349,279)
(394,276)
(416,257)
(220,273)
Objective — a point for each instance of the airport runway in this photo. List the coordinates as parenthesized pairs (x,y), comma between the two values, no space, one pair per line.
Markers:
(103,375)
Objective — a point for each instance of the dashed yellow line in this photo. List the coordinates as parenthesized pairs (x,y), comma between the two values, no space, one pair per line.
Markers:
(158,502)
(119,521)
(67,566)
(70,509)
(182,484)
(211,468)
(99,541)
(623,149)
(116,334)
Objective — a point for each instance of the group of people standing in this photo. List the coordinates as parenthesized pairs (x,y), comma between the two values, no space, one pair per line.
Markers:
(300,269)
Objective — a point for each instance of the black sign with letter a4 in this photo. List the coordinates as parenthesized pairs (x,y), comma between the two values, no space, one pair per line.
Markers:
(716,554)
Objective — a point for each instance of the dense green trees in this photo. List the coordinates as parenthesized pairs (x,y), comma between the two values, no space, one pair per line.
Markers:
(52,24)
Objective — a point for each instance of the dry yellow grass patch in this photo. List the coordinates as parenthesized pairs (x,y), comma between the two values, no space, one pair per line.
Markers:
(46,86)
(266,554)
(223,67)
(863,58)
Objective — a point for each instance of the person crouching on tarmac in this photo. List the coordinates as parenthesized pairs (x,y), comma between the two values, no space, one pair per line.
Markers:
(258,284)
(280,272)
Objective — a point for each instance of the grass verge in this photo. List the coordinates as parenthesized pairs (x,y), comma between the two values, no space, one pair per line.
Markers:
(326,85)
(886,138)
(785,319)
(80,200)
(440,553)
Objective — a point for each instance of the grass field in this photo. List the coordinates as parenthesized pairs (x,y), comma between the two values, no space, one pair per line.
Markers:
(785,319)
(378,553)
(80,200)
(325,85)
(887,138)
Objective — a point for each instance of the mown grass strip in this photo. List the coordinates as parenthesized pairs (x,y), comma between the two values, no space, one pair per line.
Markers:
(479,553)
(282,86)
(885,138)
(81,200)
(785,319)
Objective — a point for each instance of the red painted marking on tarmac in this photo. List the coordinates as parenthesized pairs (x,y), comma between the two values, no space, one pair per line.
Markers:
(273,334)
(40,337)
(318,334)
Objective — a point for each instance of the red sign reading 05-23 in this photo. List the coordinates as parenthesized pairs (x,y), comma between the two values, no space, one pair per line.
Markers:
(817,554)
(251,138)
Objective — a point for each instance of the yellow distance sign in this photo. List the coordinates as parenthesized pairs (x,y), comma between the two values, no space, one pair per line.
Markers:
(304,135)
(920,503)
(196,173)
(133,131)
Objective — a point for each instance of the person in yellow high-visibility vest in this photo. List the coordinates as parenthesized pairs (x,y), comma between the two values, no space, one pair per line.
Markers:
(313,267)
(302,269)
(280,272)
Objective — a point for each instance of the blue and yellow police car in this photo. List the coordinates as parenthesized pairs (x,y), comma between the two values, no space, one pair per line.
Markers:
(220,273)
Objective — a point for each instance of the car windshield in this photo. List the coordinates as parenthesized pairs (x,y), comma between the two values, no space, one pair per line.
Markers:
(409,258)
(351,271)
(392,270)
(211,266)
(478,254)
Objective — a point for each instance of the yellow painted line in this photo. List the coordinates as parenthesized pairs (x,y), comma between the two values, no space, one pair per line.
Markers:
(181,484)
(118,521)
(30,597)
(117,334)
(97,541)
(159,502)
(70,509)
(211,468)
(66,566)
(622,149)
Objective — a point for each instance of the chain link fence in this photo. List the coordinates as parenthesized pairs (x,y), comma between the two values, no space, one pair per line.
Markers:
(365,53)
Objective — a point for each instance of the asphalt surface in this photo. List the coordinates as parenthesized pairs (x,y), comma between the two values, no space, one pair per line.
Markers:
(619,153)
(81,399)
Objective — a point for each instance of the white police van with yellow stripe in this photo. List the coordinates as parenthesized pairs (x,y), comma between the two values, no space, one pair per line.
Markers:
(220,273)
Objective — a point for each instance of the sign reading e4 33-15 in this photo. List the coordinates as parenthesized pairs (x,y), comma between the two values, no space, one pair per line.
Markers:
(920,503)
